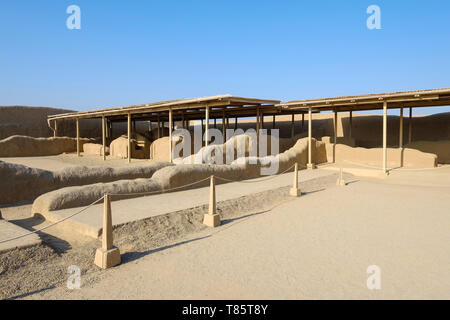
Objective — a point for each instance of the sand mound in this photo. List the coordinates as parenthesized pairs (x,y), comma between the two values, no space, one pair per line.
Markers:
(21,183)
(23,146)
(173,177)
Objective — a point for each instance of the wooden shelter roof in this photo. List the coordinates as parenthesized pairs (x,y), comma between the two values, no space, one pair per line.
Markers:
(187,108)
(418,98)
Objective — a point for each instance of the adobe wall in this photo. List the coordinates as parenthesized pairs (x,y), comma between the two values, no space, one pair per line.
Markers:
(174,177)
(374,156)
(22,183)
(439,148)
(23,146)
(32,121)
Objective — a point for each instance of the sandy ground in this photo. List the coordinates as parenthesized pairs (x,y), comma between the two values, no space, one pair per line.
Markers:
(62,161)
(26,272)
(134,209)
(9,231)
(317,246)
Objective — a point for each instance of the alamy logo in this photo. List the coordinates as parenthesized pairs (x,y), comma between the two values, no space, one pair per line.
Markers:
(237,147)
(374,20)
(374,280)
(74,20)
(74,280)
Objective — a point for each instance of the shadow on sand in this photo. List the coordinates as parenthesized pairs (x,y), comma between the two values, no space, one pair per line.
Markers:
(132,256)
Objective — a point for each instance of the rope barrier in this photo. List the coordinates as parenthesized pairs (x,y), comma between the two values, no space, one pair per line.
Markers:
(139,193)
(260,180)
(54,223)
(158,191)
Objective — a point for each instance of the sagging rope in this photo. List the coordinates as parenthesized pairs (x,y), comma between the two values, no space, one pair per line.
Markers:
(158,191)
(260,180)
(54,223)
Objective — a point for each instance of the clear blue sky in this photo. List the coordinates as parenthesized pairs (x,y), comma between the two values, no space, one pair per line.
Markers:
(133,52)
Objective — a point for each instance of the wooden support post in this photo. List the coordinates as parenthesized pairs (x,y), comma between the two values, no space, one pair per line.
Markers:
(55,133)
(292,126)
(235,123)
(159,127)
(78,136)
(410,126)
(385,137)
(310,165)
(212,218)
(215,123)
(206,125)
(334,135)
(400,132)
(295,191)
(107,256)
(273,122)
(400,137)
(170,134)
(303,121)
(257,120)
(261,114)
(223,126)
(201,123)
(351,124)
(182,119)
(107,129)
(257,130)
(103,138)
(129,137)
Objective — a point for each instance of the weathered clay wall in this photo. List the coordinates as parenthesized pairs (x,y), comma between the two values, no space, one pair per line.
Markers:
(27,121)
(23,146)
(367,129)
(140,147)
(159,149)
(439,148)
(21,183)
(174,177)
(32,121)
(94,149)
(374,156)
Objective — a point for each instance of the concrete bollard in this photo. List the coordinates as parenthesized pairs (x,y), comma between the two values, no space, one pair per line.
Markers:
(212,218)
(340,181)
(295,191)
(107,256)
